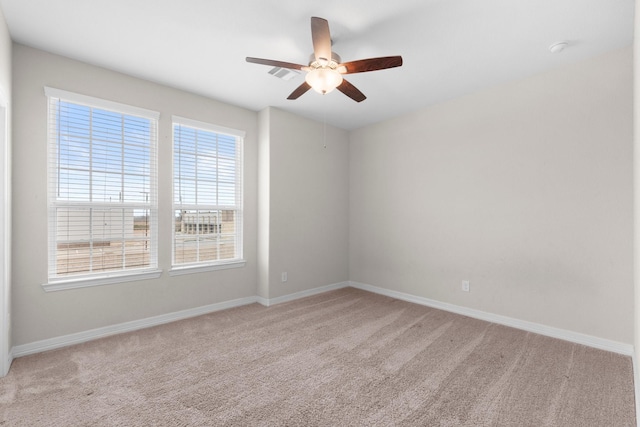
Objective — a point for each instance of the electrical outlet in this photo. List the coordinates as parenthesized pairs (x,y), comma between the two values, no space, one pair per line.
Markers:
(284,276)
(465,286)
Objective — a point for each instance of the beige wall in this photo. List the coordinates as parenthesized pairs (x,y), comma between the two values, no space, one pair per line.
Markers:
(40,315)
(524,189)
(308,203)
(263,202)
(5,57)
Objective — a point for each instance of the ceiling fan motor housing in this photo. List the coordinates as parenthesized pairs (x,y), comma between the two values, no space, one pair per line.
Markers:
(333,63)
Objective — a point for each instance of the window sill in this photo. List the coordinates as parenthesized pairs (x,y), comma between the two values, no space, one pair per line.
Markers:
(107,279)
(192,269)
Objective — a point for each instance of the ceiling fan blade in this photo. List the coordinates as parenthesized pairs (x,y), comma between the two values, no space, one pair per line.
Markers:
(371,64)
(282,64)
(300,90)
(321,39)
(351,91)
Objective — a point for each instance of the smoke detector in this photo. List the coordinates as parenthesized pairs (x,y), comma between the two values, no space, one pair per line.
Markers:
(558,47)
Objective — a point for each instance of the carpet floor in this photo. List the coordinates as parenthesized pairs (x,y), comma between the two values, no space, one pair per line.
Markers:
(342,358)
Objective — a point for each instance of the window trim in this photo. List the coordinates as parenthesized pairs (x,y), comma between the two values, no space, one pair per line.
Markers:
(56,283)
(180,270)
(91,101)
(205,266)
(207,126)
(86,281)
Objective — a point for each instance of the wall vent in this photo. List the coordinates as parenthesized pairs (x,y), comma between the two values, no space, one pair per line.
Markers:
(284,73)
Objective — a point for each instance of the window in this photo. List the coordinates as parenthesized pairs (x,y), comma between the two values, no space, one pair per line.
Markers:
(207,195)
(102,194)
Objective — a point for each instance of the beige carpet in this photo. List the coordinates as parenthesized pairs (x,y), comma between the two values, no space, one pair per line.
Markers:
(343,358)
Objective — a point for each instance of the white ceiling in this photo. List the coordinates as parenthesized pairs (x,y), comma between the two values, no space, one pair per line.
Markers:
(450,47)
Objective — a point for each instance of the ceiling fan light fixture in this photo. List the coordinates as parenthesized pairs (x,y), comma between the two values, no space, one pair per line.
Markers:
(323,79)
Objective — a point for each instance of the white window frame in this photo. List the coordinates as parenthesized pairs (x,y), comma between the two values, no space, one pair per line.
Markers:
(60,282)
(6,356)
(204,266)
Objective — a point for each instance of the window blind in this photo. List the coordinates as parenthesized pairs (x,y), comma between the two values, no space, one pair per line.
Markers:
(207,193)
(102,194)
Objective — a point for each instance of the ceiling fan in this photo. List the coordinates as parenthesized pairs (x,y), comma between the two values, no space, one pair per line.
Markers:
(324,72)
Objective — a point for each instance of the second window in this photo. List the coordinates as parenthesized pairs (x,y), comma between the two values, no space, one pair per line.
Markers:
(207,194)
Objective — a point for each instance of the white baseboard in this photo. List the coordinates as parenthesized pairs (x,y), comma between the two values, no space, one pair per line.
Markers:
(297,295)
(563,334)
(80,337)
(92,334)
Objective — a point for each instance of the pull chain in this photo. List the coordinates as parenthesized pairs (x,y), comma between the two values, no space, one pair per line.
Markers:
(324,123)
